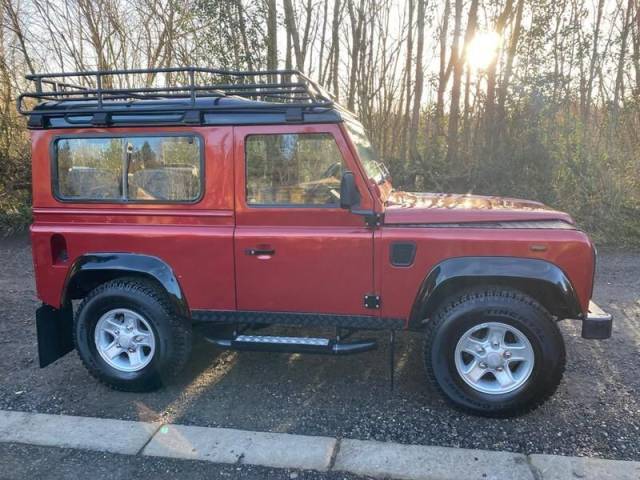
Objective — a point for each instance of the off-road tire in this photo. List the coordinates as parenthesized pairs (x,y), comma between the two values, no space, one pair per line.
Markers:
(474,306)
(172,334)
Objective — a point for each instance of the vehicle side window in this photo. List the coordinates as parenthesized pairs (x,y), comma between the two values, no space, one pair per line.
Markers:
(130,169)
(90,168)
(293,169)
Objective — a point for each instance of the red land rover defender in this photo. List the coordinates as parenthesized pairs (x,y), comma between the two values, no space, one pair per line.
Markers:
(249,199)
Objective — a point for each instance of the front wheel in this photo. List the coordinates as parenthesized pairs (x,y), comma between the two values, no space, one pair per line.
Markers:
(494,352)
(129,337)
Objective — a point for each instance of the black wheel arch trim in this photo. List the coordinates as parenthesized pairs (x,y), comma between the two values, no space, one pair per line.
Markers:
(541,279)
(107,266)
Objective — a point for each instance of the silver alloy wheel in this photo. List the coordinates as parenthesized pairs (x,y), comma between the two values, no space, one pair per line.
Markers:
(125,340)
(494,358)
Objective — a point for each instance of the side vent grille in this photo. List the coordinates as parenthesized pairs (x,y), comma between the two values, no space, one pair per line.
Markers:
(402,254)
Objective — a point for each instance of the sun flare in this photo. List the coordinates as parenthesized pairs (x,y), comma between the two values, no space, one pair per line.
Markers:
(482,50)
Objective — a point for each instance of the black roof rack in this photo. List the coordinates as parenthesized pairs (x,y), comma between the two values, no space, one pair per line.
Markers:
(171,96)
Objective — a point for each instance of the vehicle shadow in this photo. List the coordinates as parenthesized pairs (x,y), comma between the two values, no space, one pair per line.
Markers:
(313,394)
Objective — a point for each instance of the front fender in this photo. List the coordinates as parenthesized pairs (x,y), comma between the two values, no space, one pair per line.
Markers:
(92,267)
(542,280)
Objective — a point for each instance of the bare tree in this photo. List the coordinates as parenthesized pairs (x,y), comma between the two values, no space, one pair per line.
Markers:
(408,84)
(511,55)
(457,63)
(419,81)
(445,71)
(586,94)
(272,35)
(627,20)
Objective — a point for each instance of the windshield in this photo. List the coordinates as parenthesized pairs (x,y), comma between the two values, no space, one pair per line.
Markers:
(376,171)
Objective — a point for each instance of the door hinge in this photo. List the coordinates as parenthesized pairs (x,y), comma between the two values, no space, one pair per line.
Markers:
(371,219)
(372,301)
(374,220)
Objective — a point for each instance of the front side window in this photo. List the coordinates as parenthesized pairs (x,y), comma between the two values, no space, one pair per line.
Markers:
(153,168)
(293,169)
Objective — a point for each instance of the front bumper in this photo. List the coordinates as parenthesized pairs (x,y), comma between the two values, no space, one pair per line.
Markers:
(597,324)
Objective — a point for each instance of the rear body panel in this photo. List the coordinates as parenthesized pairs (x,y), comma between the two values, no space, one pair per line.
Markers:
(196,240)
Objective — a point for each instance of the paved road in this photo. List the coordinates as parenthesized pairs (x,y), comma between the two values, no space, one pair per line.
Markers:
(596,411)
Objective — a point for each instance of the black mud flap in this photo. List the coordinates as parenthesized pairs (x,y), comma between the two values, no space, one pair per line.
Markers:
(54,333)
(597,324)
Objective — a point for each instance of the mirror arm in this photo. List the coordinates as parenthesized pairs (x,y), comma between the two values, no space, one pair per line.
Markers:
(371,219)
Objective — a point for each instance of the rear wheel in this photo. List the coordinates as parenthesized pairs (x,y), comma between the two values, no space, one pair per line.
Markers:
(494,352)
(129,337)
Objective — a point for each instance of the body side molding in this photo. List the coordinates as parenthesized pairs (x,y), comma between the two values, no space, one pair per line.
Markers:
(363,322)
(541,279)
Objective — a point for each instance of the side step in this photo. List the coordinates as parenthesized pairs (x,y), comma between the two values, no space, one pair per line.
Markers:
(324,346)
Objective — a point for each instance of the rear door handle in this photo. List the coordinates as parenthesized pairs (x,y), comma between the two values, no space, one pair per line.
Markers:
(259,252)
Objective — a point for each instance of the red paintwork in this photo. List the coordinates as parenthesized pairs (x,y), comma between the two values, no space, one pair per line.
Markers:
(326,260)
(324,256)
(196,240)
(569,249)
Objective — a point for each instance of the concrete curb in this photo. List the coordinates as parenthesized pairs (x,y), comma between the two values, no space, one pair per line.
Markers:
(224,445)
(417,462)
(281,450)
(103,435)
(555,467)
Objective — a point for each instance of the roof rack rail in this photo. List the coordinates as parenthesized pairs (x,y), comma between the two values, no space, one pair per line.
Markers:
(112,91)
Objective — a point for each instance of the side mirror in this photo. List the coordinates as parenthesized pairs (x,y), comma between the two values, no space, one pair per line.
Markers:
(349,196)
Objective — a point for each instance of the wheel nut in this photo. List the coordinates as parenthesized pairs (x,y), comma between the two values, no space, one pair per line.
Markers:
(507,354)
(117,332)
(483,365)
(480,350)
(499,369)
(131,349)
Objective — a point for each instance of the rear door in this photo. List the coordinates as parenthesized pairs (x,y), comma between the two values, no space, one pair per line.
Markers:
(296,250)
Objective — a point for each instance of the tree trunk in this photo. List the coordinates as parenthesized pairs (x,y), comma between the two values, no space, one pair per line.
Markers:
(443,77)
(511,54)
(636,51)
(322,41)
(335,46)
(292,31)
(243,35)
(407,85)
(491,71)
(287,59)
(17,29)
(586,107)
(419,76)
(272,35)
(357,23)
(624,34)
(457,62)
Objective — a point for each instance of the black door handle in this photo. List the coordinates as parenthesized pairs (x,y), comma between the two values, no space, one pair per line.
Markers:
(257,252)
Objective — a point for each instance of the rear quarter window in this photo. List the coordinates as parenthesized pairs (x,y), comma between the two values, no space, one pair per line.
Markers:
(159,169)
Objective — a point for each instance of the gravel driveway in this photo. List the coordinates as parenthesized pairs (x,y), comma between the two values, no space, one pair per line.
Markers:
(596,411)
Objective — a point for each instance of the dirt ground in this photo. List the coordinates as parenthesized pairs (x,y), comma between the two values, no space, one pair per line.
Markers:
(595,412)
